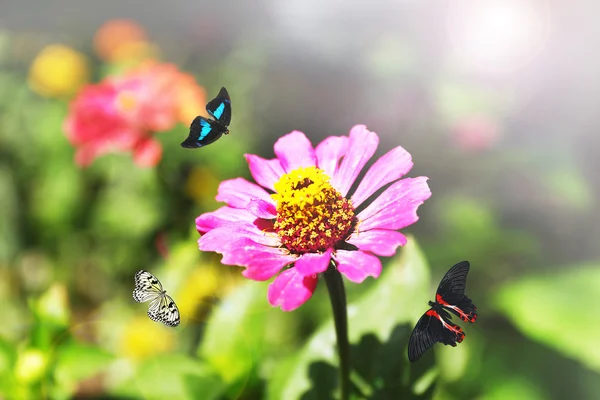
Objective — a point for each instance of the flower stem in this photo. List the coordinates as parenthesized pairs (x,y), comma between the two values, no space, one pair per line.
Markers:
(337,296)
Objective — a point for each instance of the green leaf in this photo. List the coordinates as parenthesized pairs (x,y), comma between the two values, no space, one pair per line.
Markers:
(10,205)
(8,357)
(514,388)
(130,206)
(555,309)
(55,202)
(234,333)
(76,362)
(244,334)
(465,220)
(173,376)
(379,325)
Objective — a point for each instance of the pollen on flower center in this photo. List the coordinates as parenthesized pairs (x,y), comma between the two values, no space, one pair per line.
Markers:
(311,215)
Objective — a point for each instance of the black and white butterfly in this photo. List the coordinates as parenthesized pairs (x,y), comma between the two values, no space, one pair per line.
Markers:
(162,308)
(204,131)
(435,325)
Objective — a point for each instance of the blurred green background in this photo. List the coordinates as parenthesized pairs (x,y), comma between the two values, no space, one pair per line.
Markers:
(496,100)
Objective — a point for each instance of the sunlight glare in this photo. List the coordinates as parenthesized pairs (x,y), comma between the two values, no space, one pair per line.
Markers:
(498,35)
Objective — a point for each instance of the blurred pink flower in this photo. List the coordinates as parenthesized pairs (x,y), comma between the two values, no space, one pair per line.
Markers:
(475,133)
(120,114)
(155,96)
(95,125)
(300,216)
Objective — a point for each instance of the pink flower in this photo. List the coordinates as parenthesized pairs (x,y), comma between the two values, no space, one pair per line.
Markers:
(121,114)
(95,124)
(156,96)
(476,133)
(300,218)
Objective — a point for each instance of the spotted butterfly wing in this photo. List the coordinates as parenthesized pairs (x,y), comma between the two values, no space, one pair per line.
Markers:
(436,325)
(204,131)
(162,308)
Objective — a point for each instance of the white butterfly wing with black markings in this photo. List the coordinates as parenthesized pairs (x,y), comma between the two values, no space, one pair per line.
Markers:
(153,309)
(145,280)
(167,311)
(147,287)
(162,308)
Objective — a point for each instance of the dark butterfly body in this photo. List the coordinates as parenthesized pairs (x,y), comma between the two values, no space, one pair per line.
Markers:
(204,131)
(436,325)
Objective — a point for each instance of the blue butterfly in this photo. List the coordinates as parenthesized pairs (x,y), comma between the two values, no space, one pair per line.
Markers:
(204,131)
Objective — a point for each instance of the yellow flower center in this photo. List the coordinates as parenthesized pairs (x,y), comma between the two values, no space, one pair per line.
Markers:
(126,101)
(311,215)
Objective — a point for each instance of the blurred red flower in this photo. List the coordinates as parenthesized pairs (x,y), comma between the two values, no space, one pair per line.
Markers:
(120,114)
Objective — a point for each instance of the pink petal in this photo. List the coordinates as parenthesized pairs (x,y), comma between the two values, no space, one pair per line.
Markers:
(85,155)
(147,153)
(294,150)
(262,209)
(234,232)
(389,168)
(361,147)
(290,289)
(329,152)
(238,192)
(378,241)
(261,262)
(396,208)
(223,216)
(265,172)
(357,265)
(313,263)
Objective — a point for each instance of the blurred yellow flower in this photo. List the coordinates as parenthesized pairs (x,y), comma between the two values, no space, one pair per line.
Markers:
(143,338)
(58,71)
(202,282)
(205,282)
(123,40)
(201,185)
(30,366)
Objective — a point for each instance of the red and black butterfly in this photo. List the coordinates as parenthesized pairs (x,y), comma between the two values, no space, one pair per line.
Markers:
(435,325)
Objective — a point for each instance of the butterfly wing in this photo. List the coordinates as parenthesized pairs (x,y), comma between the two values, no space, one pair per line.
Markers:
(451,293)
(455,279)
(164,309)
(202,132)
(154,308)
(220,107)
(147,287)
(431,329)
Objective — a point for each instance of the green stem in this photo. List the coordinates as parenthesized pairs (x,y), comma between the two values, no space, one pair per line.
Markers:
(337,295)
